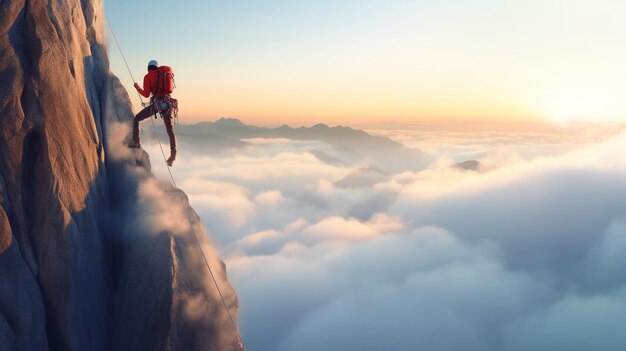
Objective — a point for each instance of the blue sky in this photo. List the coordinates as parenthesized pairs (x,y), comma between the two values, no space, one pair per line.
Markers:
(302,62)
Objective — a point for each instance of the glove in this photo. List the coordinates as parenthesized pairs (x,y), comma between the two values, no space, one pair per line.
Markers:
(137,86)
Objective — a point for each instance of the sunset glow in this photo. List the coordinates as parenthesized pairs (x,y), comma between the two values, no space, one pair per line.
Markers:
(299,62)
(583,104)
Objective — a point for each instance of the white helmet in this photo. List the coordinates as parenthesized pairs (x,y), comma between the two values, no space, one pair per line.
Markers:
(153,63)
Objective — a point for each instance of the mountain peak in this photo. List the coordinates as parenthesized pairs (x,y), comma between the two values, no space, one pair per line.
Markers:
(470,165)
(231,122)
(320,126)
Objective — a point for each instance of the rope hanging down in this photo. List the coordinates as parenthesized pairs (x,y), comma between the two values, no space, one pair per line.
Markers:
(195,237)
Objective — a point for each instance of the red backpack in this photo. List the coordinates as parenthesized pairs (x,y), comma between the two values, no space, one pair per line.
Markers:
(165,80)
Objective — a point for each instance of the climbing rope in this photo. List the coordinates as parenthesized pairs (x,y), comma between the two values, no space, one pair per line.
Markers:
(195,237)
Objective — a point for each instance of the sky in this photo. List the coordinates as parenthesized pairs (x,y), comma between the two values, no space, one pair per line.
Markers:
(302,62)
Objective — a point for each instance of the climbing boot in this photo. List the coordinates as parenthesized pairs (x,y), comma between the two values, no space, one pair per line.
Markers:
(170,161)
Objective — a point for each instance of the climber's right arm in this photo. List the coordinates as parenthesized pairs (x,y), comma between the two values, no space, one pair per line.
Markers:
(145,92)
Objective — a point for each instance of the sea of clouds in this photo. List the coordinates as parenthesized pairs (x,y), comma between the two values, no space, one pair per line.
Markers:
(331,254)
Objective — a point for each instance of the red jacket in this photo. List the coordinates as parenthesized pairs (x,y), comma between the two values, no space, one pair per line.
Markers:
(150,85)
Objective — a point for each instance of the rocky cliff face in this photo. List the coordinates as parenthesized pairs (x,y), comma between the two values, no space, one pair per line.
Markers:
(95,254)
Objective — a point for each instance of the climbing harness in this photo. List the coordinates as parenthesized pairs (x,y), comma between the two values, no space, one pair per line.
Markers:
(161,105)
(195,237)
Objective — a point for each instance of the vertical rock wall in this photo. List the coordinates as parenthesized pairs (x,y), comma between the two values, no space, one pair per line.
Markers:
(77,272)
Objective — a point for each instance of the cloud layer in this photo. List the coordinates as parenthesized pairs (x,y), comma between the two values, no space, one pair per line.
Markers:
(525,256)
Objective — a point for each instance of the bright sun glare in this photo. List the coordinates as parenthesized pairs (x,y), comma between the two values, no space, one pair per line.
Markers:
(581,104)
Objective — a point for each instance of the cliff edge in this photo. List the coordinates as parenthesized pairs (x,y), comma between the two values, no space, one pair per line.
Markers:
(95,254)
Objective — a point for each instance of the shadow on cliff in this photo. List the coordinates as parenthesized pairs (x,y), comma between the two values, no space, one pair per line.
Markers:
(80,232)
(120,272)
(134,279)
(156,261)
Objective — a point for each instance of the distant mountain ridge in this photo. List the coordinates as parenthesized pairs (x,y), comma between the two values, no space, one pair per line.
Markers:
(348,146)
(337,136)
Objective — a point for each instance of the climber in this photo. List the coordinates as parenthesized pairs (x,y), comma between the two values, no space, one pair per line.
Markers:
(157,82)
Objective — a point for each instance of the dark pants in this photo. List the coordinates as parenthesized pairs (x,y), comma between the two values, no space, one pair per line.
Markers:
(167,120)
